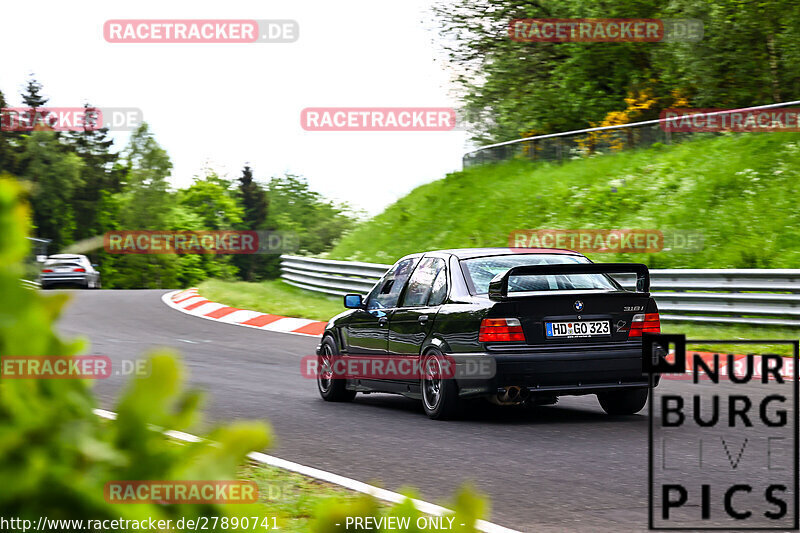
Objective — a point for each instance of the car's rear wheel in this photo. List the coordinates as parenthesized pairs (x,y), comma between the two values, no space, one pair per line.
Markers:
(439,392)
(331,390)
(623,402)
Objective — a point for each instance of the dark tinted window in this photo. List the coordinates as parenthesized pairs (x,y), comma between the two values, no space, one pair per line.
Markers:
(64,263)
(481,270)
(420,285)
(69,261)
(386,293)
(439,291)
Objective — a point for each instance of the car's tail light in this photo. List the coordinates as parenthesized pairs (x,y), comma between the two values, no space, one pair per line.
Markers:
(47,270)
(79,269)
(645,323)
(501,330)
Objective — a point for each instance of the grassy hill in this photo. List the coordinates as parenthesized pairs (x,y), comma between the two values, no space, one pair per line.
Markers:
(740,191)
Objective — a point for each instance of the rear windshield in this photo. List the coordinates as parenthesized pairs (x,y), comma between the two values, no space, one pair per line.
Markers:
(62,263)
(481,270)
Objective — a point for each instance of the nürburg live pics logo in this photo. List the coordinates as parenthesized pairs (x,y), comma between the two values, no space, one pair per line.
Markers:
(723,436)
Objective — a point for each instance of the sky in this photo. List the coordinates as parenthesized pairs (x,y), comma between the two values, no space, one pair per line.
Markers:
(224,105)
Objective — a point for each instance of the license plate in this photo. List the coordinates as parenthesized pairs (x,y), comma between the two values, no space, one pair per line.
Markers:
(579,328)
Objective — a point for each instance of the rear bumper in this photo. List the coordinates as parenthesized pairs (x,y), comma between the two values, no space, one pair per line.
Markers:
(581,371)
(64,279)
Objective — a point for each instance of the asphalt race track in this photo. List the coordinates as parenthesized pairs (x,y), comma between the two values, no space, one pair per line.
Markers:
(565,467)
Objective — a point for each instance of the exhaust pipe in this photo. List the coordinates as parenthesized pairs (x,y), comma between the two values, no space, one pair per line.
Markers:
(511,395)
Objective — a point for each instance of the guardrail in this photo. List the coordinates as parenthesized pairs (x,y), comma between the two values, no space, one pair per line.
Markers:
(745,296)
(30,284)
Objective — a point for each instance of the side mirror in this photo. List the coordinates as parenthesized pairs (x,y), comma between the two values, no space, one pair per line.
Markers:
(353,301)
(95,265)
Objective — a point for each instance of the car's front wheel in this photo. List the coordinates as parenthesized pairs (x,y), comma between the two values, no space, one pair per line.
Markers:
(439,391)
(623,402)
(331,390)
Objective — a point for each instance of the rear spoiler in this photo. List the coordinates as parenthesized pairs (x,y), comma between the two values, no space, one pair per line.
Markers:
(498,287)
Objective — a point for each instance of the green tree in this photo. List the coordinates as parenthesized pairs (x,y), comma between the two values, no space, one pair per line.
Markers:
(211,199)
(255,203)
(147,166)
(99,174)
(33,96)
(208,204)
(748,56)
(54,175)
(253,199)
(145,203)
(294,207)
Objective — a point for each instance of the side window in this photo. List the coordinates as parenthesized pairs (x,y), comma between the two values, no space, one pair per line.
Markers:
(421,283)
(439,291)
(386,293)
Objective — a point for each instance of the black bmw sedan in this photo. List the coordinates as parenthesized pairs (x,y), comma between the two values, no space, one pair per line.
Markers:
(512,326)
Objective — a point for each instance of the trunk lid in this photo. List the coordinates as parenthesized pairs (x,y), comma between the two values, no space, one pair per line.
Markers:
(570,303)
(574,316)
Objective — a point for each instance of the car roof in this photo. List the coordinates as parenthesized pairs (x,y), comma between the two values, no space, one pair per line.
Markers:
(470,253)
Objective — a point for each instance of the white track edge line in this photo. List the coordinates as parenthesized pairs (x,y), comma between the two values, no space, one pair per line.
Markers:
(335,479)
(167,299)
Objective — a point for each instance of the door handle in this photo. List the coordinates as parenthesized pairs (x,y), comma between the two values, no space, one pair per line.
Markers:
(422,319)
(382,321)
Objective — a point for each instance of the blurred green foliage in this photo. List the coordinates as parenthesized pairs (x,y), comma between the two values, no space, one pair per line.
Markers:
(55,454)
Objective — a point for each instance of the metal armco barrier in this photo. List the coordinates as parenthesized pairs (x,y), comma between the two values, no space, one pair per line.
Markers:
(745,296)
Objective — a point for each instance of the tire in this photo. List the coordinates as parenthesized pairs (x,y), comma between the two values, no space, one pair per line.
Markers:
(624,402)
(439,395)
(331,390)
